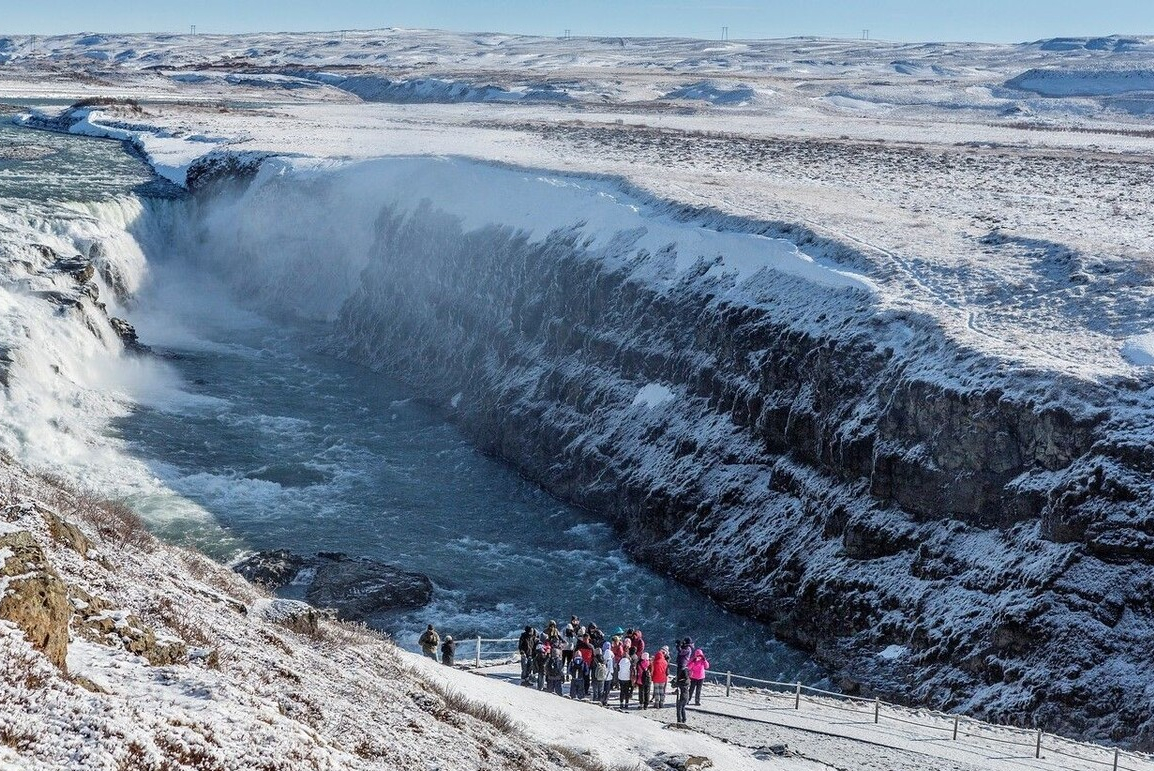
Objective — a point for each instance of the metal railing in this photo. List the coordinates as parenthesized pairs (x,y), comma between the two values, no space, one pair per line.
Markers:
(957,727)
(503,650)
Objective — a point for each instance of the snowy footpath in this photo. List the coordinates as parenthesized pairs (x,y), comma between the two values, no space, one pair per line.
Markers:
(739,730)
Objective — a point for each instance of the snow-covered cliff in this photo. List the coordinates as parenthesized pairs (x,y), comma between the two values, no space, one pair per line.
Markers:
(749,417)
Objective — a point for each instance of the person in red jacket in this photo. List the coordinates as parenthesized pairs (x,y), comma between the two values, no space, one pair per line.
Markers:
(660,676)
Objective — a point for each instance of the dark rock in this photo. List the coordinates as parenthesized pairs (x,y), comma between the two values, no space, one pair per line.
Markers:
(271,569)
(356,587)
(79,268)
(127,334)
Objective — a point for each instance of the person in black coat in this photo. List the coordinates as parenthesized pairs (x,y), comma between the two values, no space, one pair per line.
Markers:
(448,650)
(681,688)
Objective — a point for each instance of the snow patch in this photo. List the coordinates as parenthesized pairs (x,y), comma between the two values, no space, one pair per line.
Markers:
(894,652)
(653,395)
(1139,350)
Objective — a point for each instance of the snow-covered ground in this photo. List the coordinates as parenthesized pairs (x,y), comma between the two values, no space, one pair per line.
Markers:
(1000,192)
(998,188)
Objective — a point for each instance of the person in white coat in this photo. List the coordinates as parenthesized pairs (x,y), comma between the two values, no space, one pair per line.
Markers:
(625,680)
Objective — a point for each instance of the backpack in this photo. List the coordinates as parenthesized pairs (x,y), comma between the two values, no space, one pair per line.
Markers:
(555,668)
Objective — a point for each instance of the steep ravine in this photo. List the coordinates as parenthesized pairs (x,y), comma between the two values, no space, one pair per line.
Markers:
(936,524)
(802,471)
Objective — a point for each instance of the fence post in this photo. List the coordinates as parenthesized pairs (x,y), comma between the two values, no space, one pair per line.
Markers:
(1038,748)
(478,650)
(877,708)
(728,683)
(956,719)
(797,697)
(1115,759)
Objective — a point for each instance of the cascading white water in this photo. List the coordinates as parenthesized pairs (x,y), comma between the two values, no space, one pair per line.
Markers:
(244,423)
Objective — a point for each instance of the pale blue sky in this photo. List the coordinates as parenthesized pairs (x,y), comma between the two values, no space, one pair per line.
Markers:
(915,20)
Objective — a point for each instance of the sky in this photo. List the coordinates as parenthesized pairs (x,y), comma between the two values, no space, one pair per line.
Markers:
(902,20)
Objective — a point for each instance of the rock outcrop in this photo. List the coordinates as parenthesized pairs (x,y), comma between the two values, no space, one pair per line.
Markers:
(355,587)
(33,596)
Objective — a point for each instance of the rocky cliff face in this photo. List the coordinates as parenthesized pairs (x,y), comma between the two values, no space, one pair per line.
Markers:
(844,472)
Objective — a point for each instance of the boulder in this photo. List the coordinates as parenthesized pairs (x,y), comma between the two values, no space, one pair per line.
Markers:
(355,587)
(32,595)
(298,616)
(666,761)
(271,569)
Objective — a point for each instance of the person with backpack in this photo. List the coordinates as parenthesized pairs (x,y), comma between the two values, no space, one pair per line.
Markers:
(554,672)
(625,680)
(448,651)
(600,677)
(660,676)
(429,640)
(578,678)
(526,644)
(540,658)
(681,689)
(696,669)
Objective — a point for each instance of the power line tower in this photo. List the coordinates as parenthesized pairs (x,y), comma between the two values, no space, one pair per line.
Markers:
(725,33)
(568,34)
(192,29)
(865,34)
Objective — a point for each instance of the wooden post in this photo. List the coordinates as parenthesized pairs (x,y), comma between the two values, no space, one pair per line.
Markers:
(728,683)
(478,650)
(1038,748)
(956,719)
(877,709)
(797,697)
(1115,759)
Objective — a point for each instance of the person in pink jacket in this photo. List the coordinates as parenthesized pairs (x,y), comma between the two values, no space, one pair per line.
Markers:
(696,669)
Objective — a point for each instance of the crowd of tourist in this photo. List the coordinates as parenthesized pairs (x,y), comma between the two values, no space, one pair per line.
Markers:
(596,664)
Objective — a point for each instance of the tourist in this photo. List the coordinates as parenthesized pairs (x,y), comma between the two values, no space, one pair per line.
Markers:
(540,658)
(681,688)
(526,644)
(429,641)
(624,680)
(570,634)
(684,653)
(696,669)
(578,678)
(600,676)
(554,672)
(660,676)
(448,650)
(643,677)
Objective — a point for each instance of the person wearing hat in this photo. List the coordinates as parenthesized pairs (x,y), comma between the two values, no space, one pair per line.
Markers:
(625,680)
(526,644)
(429,640)
(448,650)
(660,667)
(681,688)
(643,677)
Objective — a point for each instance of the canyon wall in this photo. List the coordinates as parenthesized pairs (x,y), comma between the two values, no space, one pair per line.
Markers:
(934,524)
